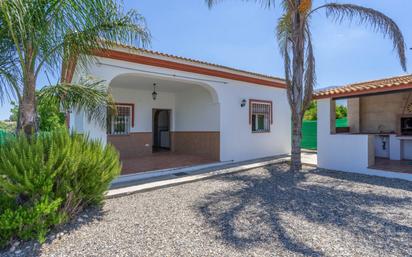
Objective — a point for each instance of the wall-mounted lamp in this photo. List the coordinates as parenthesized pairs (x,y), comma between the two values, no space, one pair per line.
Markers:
(154,94)
(243,103)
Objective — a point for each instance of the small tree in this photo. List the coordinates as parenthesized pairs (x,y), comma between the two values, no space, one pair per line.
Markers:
(14,111)
(295,43)
(312,112)
(341,112)
(44,34)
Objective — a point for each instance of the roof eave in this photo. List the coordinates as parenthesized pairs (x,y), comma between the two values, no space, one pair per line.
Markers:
(359,93)
(176,65)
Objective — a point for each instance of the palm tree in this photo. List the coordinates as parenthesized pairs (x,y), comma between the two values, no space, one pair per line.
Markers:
(37,35)
(295,43)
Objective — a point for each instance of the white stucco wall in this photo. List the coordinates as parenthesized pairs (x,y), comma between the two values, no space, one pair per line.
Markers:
(80,123)
(407,149)
(191,110)
(196,111)
(339,151)
(144,104)
(237,140)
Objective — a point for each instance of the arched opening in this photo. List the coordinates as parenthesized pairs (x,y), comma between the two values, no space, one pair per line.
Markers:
(173,118)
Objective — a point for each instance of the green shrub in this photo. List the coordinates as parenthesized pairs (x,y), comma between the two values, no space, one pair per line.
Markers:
(312,112)
(7,126)
(47,179)
(341,112)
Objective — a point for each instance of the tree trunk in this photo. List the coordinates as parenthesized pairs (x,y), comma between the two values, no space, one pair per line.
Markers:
(296,101)
(27,113)
(27,108)
(296,163)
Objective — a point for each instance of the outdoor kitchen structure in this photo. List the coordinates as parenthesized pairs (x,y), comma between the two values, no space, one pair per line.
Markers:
(378,139)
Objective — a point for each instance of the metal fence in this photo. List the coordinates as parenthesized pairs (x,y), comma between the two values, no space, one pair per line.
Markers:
(309,132)
(3,135)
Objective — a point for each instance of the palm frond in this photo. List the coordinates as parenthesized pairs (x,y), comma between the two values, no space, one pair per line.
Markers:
(88,95)
(101,24)
(310,71)
(288,74)
(50,32)
(10,76)
(9,73)
(44,35)
(9,84)
(283,31)
(379,22)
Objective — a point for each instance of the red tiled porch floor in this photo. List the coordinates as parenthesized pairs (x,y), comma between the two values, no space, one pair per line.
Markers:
(390,165)
(162,160)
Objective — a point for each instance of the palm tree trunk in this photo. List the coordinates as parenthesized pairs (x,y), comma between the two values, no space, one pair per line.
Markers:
(296,163)
(27,114)
(298,48)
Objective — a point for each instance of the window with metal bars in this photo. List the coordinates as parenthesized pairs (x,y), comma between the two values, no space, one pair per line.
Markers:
(260,115)
(120,122)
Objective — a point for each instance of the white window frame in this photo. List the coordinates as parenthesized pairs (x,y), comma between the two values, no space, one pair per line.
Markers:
(267,113)
(128,122)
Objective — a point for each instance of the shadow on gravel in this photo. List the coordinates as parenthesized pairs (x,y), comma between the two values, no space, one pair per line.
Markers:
(370,180)
(253,211)
(33,248)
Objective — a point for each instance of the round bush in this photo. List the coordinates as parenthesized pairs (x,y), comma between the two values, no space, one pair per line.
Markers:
(48,178)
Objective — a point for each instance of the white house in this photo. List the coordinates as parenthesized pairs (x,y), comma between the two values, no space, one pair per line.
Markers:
(378,139)
(174,111)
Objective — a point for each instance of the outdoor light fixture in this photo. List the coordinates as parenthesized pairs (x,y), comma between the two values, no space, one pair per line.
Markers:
(243,103)
(154,94)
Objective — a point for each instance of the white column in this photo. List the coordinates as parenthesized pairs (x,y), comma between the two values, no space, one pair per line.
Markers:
(326,117)
(395,146)
(323,128)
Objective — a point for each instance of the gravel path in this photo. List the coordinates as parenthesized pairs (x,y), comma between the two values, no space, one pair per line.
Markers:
(261,212)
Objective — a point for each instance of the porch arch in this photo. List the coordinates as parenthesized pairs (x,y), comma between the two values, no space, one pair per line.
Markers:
(194,110)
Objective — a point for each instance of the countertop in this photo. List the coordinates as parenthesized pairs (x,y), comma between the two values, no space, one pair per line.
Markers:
(404,137)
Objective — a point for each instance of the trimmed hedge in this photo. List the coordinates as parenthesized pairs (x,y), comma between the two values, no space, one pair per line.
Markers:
(47,179)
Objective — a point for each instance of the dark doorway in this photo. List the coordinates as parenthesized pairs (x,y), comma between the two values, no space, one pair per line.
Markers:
(161,130)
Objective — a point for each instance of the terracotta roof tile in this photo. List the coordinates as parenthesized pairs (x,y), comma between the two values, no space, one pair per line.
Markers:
(374,86)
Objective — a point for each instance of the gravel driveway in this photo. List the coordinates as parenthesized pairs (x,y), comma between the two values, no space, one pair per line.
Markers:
(261,212)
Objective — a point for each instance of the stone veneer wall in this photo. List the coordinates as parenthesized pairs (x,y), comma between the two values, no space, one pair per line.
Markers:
(354,115)
(373,113)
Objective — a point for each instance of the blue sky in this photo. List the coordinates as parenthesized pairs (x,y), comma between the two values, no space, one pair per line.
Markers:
(242,35)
